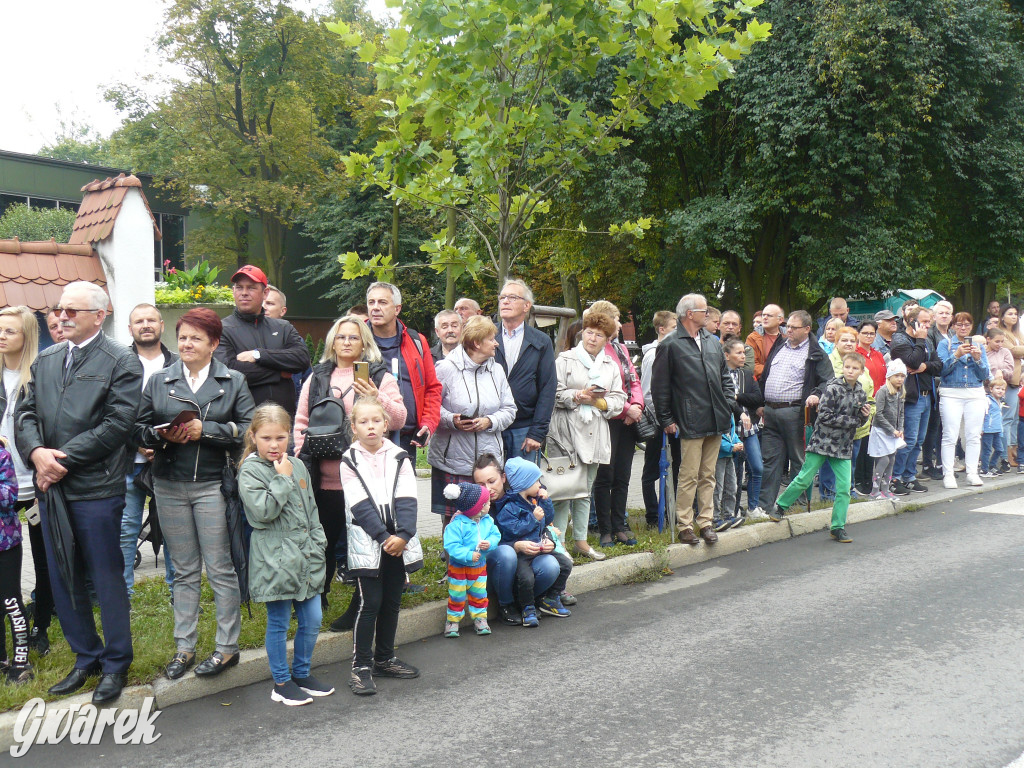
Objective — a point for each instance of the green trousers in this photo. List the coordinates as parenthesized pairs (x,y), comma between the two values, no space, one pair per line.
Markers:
(813,462)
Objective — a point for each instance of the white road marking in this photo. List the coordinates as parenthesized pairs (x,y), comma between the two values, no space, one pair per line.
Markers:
(1011,507)
(1018,763)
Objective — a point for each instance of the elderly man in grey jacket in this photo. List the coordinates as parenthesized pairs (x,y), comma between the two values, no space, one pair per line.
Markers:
(694,398)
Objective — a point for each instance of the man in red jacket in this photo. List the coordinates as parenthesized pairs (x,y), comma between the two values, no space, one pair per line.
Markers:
(407,354)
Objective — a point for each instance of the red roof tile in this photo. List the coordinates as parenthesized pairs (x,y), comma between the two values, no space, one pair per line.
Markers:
(100,206)
(34,273)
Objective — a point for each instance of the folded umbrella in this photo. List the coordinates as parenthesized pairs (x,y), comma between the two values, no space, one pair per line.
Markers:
(237,534)
(62,537)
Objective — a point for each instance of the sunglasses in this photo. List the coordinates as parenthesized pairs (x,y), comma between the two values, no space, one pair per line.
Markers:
(71,312)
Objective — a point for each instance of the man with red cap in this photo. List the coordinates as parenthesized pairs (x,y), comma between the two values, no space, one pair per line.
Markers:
(266,350)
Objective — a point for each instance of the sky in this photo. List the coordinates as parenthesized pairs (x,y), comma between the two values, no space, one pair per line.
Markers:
(61,55)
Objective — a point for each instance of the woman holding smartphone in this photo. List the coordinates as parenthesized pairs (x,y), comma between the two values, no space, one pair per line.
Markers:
(350,367)
(962,397)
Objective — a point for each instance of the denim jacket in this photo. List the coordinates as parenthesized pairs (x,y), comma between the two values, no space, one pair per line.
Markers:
(993,417)
(962,373)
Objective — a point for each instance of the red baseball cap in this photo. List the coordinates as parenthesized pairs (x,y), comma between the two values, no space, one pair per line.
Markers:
(253,273)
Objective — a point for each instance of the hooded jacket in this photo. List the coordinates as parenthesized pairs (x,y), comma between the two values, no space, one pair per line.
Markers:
(380,501)
(470,389)
(516,521)
(463,535)
(426,389)
(838,418)
(287,550)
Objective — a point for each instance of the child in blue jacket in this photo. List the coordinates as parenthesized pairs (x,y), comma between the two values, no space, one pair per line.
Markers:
(523,518)
(726,489)
(467,539)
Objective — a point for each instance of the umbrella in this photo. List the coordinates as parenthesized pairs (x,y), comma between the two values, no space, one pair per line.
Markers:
(238,536)
(151,527)
(62,537)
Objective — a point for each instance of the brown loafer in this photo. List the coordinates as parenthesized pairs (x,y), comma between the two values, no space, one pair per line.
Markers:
(216,664)
(689,537)
(708,534)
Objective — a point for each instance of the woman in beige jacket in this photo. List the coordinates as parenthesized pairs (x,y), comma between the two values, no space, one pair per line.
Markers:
(1009,322)
(589,392)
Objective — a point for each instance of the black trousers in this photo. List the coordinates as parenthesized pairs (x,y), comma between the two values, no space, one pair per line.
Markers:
(379,599)
(652,473)
(611,487)
(42,608)
(14,609)
(331,507)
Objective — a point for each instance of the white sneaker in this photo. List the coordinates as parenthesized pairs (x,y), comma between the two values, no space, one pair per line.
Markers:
(974,480)
(948,481)
(757,514)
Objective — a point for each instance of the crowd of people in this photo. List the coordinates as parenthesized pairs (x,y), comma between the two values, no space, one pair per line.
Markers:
(525,443)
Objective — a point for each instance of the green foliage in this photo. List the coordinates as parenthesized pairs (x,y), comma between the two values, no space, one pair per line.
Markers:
(28,224)
(475,114)
(79,142)
(202,274)
(316,348)
(200,294)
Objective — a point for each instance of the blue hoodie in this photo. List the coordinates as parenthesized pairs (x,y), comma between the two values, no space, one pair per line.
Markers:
(729,439)
(993,416)
(516,521)
(463,534)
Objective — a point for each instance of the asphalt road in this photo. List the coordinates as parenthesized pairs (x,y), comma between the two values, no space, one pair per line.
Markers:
(902,649)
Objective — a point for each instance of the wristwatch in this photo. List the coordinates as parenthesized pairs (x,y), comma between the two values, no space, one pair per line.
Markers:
(255,354)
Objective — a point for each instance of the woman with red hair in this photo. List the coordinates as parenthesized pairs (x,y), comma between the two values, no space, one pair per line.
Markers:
(194,415)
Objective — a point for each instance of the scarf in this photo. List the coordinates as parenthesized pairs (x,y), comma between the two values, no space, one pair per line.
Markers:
(593,366)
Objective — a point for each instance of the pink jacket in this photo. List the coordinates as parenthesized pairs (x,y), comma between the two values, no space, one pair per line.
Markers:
(1001,360)
(389,395)
(630,380)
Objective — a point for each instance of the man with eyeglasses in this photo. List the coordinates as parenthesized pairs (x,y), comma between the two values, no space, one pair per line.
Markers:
(795,374)
(268,351)
(73,426)
(528,358)
(763,341)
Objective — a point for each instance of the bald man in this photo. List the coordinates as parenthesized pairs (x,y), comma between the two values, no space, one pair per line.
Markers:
(467,308)
(762,341)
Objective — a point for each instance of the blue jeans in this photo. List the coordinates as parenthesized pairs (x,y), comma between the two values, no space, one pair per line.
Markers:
(279,614)
(752,449)
(915,429)
(535,576)
(992,450)
(501,572)
(131,525)
(513,440)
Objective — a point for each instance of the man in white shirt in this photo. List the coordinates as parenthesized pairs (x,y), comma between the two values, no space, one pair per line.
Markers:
(146,325)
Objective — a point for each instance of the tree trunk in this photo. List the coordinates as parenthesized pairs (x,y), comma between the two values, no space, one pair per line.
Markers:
(241,231)
(394,231)
(273,247)
(571,292)
(449,276)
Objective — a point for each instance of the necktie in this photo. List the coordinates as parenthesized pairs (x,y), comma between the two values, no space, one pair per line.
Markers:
(69,364)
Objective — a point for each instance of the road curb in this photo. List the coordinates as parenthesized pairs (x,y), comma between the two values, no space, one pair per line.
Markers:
(425,621)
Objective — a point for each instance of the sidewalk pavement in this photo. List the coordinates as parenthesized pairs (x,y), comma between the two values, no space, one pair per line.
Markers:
(425,620)
(428,524)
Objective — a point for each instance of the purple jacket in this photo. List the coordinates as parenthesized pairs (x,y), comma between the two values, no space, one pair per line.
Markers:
(10,525)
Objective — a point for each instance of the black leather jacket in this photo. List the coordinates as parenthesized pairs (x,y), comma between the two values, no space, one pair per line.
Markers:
(90,418)
(225,407)
(691,386)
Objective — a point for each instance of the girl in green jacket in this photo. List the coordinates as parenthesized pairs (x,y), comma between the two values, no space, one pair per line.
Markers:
(287,564)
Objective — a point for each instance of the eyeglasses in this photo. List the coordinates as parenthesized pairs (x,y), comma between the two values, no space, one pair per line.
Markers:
(511,297)
(352,339)
(10,332)
(797,327)
(699,310)
(963,324)
(71,311)
(867,333)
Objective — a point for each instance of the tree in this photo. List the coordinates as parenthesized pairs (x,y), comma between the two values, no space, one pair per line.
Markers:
(28,224)
(243,134)
(479,122)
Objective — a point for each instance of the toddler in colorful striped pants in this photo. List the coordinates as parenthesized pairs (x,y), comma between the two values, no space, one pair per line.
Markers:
(467,538)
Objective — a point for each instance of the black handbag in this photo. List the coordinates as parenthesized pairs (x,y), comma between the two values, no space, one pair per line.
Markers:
(328,434)
(647,428)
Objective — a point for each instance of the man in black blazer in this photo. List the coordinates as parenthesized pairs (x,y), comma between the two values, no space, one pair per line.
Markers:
(528,358)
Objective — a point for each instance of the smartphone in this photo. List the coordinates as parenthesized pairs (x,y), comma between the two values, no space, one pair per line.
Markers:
(362,371)
(599,390)
(464,417)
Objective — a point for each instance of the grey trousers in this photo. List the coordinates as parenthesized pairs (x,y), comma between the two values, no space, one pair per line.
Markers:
(725,487)
(579,509)
(196,530)
(782,438)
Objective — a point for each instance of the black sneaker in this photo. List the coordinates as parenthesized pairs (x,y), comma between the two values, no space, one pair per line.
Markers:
(395,667)
(917,487)
(343,623)
(313,687)
(361,681)
(935,473)
(290,694)
(38,641)
(899,488)
(840,535)
(510,615)
(18,674)
(722,524)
